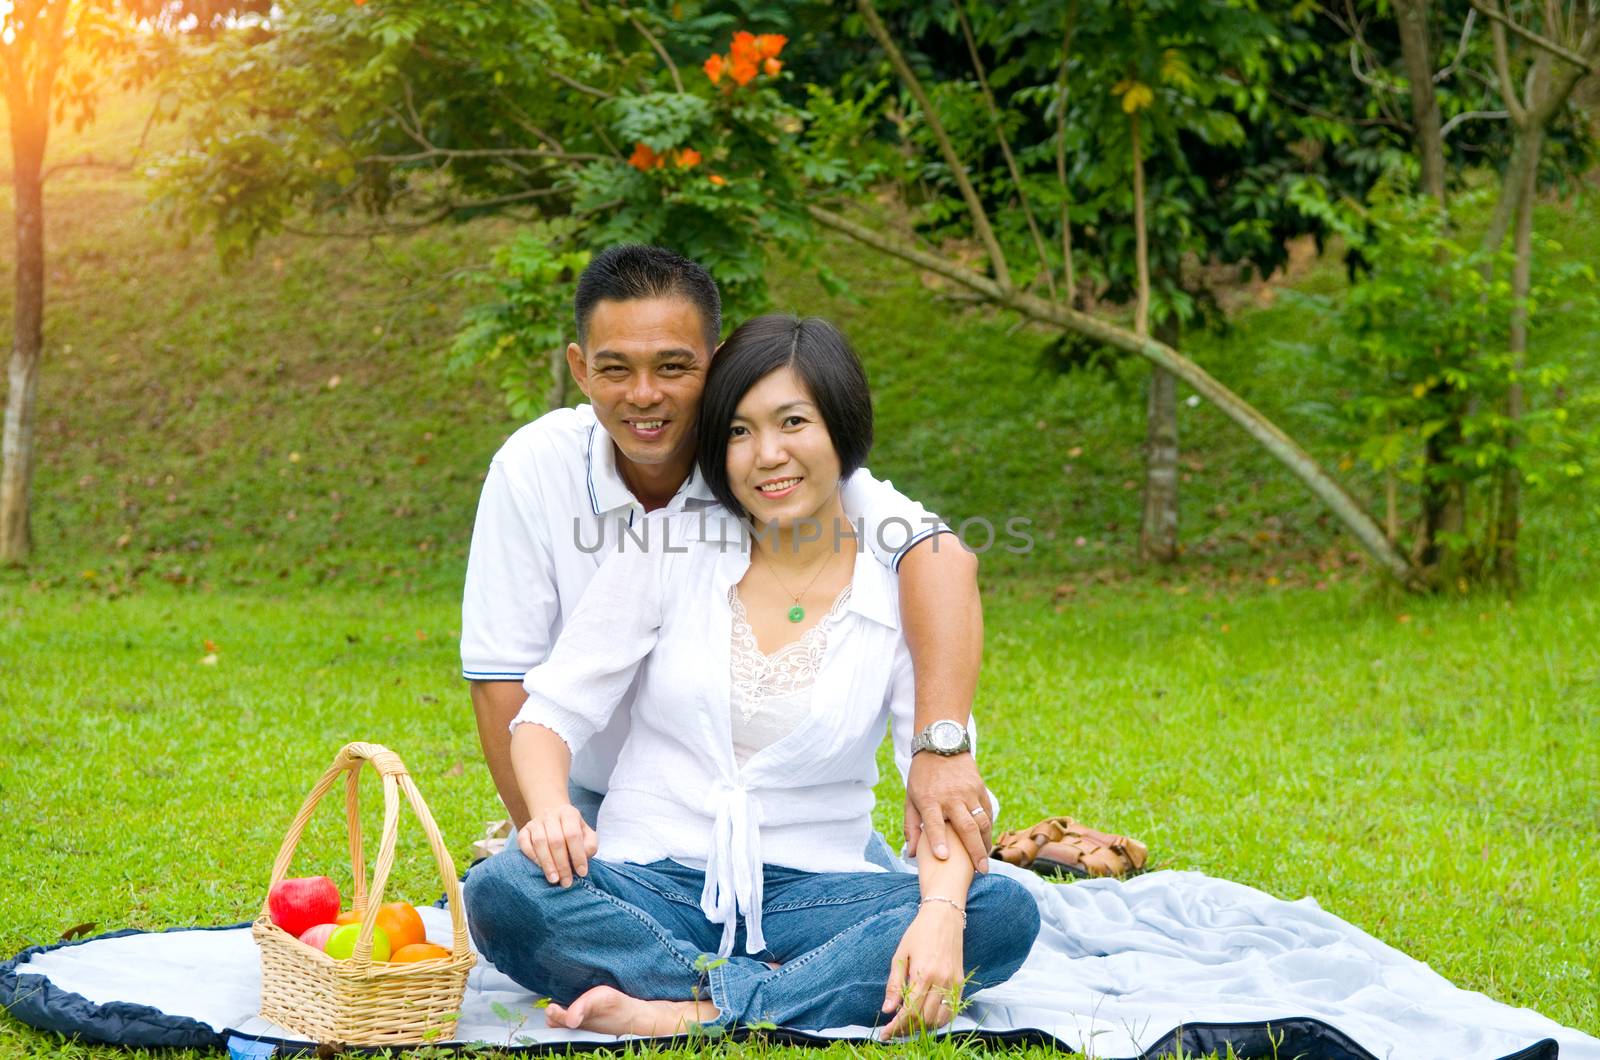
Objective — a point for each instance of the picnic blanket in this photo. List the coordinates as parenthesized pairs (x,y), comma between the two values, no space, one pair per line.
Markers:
(1139,968)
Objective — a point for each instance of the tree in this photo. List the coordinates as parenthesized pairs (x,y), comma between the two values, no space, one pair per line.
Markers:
(1547,66)
(52,57)
(584,122)
(1520,75)
(33,45)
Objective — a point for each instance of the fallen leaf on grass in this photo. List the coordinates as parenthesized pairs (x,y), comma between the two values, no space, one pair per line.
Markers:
(79,930)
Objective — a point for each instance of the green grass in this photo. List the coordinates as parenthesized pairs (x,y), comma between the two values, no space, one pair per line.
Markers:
(1428,780)
(1425,769)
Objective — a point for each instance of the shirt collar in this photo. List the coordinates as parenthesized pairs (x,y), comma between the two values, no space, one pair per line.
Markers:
(873,589)
(608,492)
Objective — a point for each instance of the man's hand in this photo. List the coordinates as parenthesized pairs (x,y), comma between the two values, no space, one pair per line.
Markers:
(943,791)
(560,842)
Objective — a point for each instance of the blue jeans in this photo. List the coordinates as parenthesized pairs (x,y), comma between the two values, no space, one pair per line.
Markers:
(639,928)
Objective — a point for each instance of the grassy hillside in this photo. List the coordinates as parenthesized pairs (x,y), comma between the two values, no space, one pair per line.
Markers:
(293,419)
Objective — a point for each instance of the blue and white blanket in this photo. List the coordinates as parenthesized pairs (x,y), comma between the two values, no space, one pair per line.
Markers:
(1121,969)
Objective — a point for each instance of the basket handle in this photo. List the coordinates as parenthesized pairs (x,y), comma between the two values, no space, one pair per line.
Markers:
(396,779)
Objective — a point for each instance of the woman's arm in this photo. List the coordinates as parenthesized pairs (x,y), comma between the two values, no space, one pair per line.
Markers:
(924,985)
(925,977)
(574,693)
(555,837)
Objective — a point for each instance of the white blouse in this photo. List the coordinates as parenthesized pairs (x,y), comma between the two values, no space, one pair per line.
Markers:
(656,622)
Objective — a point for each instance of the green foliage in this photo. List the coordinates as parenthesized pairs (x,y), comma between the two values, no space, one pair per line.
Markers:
(418,113)
(530,286)
(1424,343)
(1224,182)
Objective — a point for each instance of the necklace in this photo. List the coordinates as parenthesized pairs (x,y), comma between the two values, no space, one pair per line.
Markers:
(796,613)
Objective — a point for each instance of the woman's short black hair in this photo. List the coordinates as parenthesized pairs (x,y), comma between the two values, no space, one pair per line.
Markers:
(820,355)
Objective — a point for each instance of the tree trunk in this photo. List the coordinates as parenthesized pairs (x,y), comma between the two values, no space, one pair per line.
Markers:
(1444,507)
(1505,550)
(28,132)
(1158,529)
(1158,526)
(1417,54)
(1442,503)
(555,395)
(1521,175)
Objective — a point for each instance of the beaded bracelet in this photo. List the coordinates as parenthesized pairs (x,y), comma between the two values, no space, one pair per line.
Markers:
(951,902)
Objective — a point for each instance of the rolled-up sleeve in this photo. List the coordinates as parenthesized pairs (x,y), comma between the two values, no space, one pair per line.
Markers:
(891,523)
(577,689)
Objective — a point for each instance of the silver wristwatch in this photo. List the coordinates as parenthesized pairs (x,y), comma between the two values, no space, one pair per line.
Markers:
(942,738)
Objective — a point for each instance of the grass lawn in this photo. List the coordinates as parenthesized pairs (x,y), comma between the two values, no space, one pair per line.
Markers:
(273,460)
(1428,780)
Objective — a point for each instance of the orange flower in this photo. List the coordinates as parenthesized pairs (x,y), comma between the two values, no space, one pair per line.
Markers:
(688,158)
(644,158)
(713,68)
(718,179)
(745,47)
(744,70)
(770,45)
(772,66)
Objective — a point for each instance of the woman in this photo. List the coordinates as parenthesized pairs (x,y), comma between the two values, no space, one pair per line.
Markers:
(727,883)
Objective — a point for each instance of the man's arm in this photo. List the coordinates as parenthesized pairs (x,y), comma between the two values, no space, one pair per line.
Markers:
(942,615)
(508,612)
(495,703)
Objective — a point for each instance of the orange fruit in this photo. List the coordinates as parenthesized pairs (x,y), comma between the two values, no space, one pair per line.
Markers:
(418,951)
(349,916)
(403,924)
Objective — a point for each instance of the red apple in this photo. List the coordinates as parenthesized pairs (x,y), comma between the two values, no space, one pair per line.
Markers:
(303,902)
(317,937)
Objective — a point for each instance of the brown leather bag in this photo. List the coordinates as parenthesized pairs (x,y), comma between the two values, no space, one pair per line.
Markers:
(1059,845)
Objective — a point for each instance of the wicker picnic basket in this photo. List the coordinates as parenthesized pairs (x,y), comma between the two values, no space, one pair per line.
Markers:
(359,1000)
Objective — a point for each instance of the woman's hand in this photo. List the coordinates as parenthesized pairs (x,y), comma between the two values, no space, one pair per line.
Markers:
(559,841)
(926,974)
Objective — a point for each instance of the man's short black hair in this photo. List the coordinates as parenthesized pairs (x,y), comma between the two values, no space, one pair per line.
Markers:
(632,271)
(826,365)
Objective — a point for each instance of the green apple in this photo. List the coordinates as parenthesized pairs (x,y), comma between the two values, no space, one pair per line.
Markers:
(342,943)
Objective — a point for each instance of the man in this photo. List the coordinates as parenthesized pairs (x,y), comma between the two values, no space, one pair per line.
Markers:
(563,489)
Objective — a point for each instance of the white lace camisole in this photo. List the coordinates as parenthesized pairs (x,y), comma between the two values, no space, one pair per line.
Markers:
(772,693)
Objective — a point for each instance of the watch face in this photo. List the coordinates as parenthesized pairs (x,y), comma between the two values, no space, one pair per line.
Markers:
(946,735)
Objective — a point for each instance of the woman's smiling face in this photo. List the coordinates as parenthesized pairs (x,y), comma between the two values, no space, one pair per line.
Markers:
(782,465)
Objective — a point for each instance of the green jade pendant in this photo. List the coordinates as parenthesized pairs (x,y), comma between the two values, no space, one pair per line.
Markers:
(796,613)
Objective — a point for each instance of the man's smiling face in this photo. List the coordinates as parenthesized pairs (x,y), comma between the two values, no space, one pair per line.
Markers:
(643,367)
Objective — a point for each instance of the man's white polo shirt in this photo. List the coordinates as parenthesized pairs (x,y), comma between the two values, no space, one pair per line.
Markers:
(553,508)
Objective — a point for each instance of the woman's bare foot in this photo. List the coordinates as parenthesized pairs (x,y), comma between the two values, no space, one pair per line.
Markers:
(609,1011)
